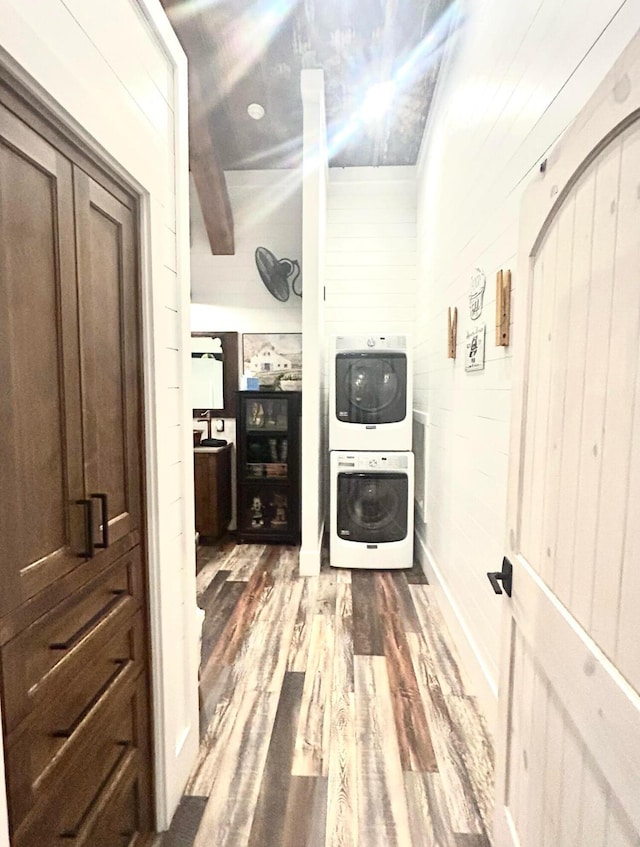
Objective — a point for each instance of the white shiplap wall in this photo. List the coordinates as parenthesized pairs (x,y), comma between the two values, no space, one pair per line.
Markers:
(370,274)
(519,74)
(116,75)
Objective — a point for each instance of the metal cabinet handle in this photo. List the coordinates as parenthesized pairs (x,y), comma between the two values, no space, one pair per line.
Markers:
(89,550)
(86,627)
(505,576)
(68,731)
(104,509)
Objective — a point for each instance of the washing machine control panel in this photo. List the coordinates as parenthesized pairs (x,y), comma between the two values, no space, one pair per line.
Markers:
(373,461)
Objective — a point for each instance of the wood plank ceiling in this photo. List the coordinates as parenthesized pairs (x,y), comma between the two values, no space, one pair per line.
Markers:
(252,51)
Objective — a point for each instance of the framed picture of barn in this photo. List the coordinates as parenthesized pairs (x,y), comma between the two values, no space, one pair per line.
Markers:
(275,359)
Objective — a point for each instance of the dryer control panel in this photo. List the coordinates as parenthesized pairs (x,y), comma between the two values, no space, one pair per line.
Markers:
(373,461)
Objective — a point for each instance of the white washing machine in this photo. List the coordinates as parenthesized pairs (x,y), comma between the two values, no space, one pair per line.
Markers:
(371,522)
(370,393)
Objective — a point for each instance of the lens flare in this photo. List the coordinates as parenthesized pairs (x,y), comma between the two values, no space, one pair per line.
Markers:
(377,101)
(380,97)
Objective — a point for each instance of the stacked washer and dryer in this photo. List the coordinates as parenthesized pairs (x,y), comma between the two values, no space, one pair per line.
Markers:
(371,463)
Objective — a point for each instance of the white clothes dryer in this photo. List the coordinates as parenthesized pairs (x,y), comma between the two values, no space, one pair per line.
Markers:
(371,522)
(370,393)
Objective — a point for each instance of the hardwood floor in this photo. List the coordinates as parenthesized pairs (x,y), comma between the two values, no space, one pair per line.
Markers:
(332,713)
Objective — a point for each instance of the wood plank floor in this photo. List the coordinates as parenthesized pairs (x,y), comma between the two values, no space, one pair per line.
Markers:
(332,713)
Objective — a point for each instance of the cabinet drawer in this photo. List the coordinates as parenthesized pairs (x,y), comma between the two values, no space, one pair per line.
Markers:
(68,640)
(70,703)
(120,812)
(91,783)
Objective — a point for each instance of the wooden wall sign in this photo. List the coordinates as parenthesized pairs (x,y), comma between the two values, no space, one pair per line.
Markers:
(452,331)
(503,307)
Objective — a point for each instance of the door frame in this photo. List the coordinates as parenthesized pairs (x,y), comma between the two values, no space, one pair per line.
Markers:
(166,748)
(614,106)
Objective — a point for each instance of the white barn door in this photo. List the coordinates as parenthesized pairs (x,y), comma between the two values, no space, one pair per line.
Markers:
(569,752)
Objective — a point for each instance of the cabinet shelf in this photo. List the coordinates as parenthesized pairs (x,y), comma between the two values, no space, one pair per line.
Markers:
(267,470)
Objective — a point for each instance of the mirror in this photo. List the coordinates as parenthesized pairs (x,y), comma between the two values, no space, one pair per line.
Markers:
(214,373)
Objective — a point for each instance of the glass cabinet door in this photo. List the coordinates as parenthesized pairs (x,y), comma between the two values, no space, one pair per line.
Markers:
(266,438)
(268,466)
(264,508)
(265,415)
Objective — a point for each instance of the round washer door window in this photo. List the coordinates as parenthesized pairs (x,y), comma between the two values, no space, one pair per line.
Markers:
(372,386)
(374,506)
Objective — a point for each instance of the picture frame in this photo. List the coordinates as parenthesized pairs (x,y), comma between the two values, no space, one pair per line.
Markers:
(275,359)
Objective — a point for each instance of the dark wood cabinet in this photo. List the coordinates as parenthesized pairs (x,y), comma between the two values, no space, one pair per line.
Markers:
(212,478)
(268,466)
(74,656)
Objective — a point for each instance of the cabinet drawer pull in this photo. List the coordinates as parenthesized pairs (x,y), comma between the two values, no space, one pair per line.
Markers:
(124,767)
(104,509)
(79,634)
(88,552)
(67,733)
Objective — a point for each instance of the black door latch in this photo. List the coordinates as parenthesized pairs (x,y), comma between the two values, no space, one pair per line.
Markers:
(505,576)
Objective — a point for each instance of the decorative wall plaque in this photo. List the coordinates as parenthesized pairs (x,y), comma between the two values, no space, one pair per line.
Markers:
(475,349)
(476,293)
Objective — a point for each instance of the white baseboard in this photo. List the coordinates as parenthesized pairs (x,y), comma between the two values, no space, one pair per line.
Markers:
(483,686)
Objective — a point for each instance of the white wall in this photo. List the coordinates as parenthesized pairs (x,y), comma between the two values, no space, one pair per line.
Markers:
(116,74)
(520,73)
(370,275)
(226,291)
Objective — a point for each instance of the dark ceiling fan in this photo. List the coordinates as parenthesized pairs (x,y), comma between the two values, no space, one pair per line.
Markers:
(276,274)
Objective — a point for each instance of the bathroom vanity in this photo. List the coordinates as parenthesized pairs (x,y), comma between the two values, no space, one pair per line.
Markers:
(213,498)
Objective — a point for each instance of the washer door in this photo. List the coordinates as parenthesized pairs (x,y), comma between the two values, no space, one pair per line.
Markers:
(371,388)
(372,507)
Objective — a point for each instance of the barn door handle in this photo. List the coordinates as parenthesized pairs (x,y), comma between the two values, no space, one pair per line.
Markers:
(505,576)
(87,505)
(104,509)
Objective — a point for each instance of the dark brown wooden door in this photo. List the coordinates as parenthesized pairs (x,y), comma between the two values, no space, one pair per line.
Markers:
(40,448)
(109,355)
(73,625)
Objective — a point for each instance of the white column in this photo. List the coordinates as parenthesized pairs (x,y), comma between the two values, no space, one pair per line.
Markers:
(314,205)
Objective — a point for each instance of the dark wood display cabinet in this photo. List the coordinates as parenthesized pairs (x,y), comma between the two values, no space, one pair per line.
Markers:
(268,469)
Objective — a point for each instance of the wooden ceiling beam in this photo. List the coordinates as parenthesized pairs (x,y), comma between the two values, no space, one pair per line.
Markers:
(204,164)
(210,182)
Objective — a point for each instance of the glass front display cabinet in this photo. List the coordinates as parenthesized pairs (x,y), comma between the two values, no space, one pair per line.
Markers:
(268,466)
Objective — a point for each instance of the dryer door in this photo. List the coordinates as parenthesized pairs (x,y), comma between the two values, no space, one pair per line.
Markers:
(371,387)
(372,507)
